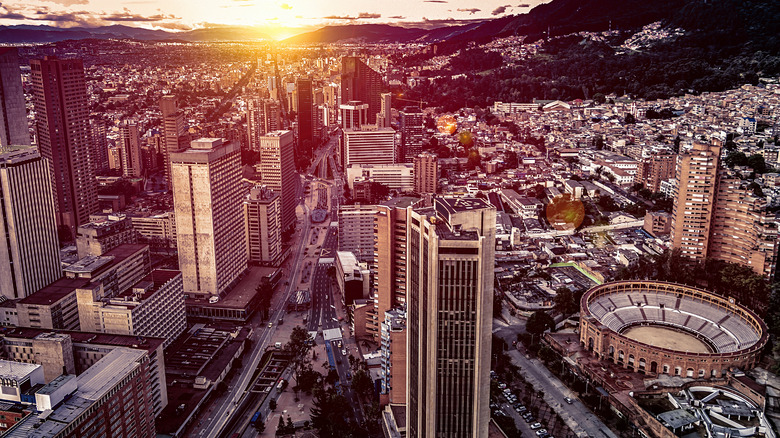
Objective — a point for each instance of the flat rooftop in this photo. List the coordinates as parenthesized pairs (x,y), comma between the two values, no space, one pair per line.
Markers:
(54,292)
(156,279)
(401,202)
(78,337)
(16,370)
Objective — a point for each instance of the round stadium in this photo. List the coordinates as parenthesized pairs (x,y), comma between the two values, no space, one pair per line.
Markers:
(663,328)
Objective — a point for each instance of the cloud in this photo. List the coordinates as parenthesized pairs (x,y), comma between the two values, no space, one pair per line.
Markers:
(368,15)
(435,1)
(174,26)
(338,17)
(397,17)
(471,11)
(69,2)
(500,10)
(286,6)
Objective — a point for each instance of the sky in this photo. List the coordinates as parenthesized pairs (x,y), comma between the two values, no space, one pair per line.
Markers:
(284,17)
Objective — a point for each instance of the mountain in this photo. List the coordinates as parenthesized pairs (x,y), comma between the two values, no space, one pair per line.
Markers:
(47,34)
(379,33)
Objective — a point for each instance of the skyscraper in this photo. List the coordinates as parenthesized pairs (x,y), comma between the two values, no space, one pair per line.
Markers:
(209,215)
(130,150)
(305,105)
(13,115)
(450,309)
(60,97)
(99,144)
(697,172)
(29,250)
(262,116)
(412,131)
(361,82)
(277,169)
(174,132)
(369,145)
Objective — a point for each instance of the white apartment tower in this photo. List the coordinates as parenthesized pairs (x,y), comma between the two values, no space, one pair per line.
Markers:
(209,216)
(29,249)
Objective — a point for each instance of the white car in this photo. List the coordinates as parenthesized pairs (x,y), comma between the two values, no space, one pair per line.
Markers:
(343,352)
(536,426)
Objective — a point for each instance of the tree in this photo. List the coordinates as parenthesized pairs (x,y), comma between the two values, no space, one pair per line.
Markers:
(298,347)
(362,384)
(272,405)
(327,414)
(539,322)
(565,301)
(629,119)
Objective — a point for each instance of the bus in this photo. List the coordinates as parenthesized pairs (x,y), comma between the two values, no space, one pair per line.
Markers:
(274,278)
(254,418)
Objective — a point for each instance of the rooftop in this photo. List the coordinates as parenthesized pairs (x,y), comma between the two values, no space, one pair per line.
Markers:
(146,287)
(16,370)
(78,337)
(401,202)
(54,292)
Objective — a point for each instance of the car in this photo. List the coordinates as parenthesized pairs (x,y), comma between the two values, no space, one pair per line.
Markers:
(536,426)
(568,400)
(541,432)
(502,385)
(343,352)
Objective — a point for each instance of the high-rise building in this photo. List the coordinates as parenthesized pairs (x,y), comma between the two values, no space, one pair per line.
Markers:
(426,174)
(62,118)
(389,262)
(262,215)
(656,168)
(130,150)
(99,133)
(742,231)
(354,114)
(361,82)
(412,130)
(369,146)
(393,351)
(356,230)
(305,105)
(385,116)
(209,215)
(450,309)
(277,169)
(697,172)
(174,133)
(262,116)
(29,249)
(99,236)
(13,114)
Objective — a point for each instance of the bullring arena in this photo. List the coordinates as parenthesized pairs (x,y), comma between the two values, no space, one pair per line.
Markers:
(664,328)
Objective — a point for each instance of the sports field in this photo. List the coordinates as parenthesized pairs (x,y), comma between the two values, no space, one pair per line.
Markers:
(666,338)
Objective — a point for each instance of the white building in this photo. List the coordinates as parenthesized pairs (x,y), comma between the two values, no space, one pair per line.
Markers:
(369,145)
(395,176)
(277,169)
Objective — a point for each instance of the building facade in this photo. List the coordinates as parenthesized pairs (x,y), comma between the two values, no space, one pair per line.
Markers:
(277,168)
(209,215)
(412,132)
(13,114)
(361,82)
(29,248)
(450,310)
(130,150)
(426,174)
(64,134)
(175,136)
(356,230)
(262,215)
(369,145)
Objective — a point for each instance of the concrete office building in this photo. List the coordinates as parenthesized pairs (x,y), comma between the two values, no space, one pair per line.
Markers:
(277,168)
(356,230)
(361,82)
(17,379)
(29,248)
(368,145)
(426,174)
(412,131)
(174,133)
(152,307)
(697,172)
(352,278)
(399,177)
(100,236)
(354,114)
(64,136)
(209,215)
(450,312)
(13,114)
(262,116)
(389,262)
(158,230)
(73,352)
(130,150)
(111,398)
(262,215)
